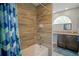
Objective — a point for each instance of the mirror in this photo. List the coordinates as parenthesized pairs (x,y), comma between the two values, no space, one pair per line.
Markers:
(68,26)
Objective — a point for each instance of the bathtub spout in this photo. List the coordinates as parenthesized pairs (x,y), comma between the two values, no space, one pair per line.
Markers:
(40,44)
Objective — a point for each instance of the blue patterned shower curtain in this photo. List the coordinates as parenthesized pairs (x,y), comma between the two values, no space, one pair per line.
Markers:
(9,36)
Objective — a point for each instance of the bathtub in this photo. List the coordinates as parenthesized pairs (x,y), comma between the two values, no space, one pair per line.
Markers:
(35,50)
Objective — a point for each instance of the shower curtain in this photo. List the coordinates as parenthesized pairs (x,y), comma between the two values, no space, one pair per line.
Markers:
(9,36)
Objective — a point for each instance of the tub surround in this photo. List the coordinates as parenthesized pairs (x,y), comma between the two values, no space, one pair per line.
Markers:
(44,35)
(31,18)
(27,24)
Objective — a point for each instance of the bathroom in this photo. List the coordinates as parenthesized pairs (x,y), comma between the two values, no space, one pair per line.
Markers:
(44,32)
(41,27)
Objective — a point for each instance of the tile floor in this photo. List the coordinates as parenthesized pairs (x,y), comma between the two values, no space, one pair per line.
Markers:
(57,51)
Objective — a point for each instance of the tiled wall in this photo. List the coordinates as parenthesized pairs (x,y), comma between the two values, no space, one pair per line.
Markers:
(27,24)
(44,17)
(29,19)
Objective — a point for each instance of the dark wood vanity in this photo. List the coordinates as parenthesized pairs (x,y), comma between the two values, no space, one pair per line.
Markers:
(68,41)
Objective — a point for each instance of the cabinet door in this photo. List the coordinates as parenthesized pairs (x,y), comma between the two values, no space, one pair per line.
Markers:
(61,41)
(71,42)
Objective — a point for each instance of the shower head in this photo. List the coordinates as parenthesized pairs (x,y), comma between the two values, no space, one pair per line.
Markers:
(41,25)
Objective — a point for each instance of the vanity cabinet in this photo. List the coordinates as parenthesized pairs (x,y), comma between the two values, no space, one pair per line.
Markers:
(61,41)
(68,42)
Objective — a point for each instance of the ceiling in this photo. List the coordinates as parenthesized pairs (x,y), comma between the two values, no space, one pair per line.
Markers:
(57,7)
(36,4)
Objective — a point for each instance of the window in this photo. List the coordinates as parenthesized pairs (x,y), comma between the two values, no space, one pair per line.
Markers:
(62,20)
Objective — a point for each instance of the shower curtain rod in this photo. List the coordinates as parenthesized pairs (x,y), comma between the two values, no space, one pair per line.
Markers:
(45,8)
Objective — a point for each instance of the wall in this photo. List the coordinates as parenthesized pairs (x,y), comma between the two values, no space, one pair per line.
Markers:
(27,24)
(73,14)
(44,34)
